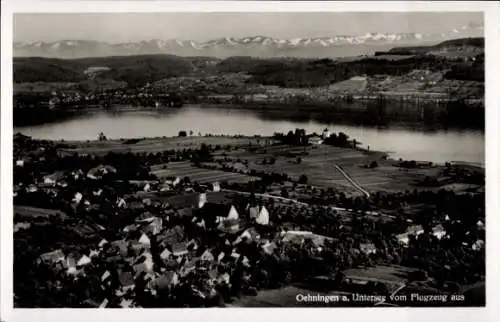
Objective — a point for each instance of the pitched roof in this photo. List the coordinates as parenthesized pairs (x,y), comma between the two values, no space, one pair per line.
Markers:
(53,256)
(216,209)
(126,278)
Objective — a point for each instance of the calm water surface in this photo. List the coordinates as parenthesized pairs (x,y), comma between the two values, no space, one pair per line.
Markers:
(411,144)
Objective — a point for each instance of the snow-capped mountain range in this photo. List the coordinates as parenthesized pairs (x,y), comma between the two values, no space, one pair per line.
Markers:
(260,46)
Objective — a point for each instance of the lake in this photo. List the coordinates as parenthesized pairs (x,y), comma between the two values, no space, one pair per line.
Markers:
(407,143)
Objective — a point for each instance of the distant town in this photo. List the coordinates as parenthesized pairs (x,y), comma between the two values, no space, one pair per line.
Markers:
(438,84)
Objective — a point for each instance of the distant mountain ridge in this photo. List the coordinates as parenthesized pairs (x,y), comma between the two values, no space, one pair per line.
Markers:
(257,46)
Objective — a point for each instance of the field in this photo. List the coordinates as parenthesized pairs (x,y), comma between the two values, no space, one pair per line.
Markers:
(29,213)
(152,145)
(186,169)
(317,162)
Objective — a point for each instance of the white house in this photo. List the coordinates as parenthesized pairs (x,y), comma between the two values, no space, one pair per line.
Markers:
(202,200)
(478,245)
(438,231)
(78,197)
(326,134)
(144,240)
(20,163)
(263,217)
(84,260)
(368,248)
(49,180)
(120,203)
(412,230)
(233,214)
(316,140)
(94,253)
(216,187)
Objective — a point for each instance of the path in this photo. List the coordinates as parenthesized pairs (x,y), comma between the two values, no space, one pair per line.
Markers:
(351,180)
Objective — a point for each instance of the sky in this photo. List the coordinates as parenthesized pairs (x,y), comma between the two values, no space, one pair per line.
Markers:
(124,27)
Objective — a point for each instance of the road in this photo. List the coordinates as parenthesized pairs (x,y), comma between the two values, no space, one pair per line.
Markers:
(265,195)
(352,181)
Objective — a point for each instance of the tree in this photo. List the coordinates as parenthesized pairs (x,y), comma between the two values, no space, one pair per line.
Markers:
(182,133)
(299,160)
(284,193)
(303,179)
(373,164)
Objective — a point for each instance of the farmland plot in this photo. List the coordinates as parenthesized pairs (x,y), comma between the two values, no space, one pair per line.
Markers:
(185,169)
(153,145)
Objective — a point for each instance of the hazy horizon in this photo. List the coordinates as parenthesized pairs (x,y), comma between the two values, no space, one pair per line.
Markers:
(125,27)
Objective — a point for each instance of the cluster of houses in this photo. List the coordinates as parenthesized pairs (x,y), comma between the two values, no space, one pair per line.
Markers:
(133,255)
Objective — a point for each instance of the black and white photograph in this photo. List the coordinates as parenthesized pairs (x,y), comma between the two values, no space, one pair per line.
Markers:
(248,159)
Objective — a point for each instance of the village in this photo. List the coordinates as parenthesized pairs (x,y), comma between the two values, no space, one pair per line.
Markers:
(112,227)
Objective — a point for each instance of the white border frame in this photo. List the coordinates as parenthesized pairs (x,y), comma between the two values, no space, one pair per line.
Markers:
(491,19)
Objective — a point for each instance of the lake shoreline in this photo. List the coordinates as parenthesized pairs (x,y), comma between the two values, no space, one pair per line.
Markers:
(354,117)
(401,140)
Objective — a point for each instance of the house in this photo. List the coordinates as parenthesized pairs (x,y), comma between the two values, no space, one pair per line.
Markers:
(52,257)
(105,276)
(253,211)
(21,225)
(144,240)
(126,303)
(120,203)
(269,247)
(94,253)
(315,140)
(297,236)
(126,280)
(136,205)
(75,261)
(412,230)
(216,187)
(53,178)
(218,213)
(166,280)
(173,182)
(119,246)
(104,304)
(368,248)
(263,217)
(154,226)
(249,234)
(478,245)
(207,256)
(99,171)
(438,231)
(194,200)
(20,163)
(78,197)
(102,243)
(143,264)
(326,134)
(176,249)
